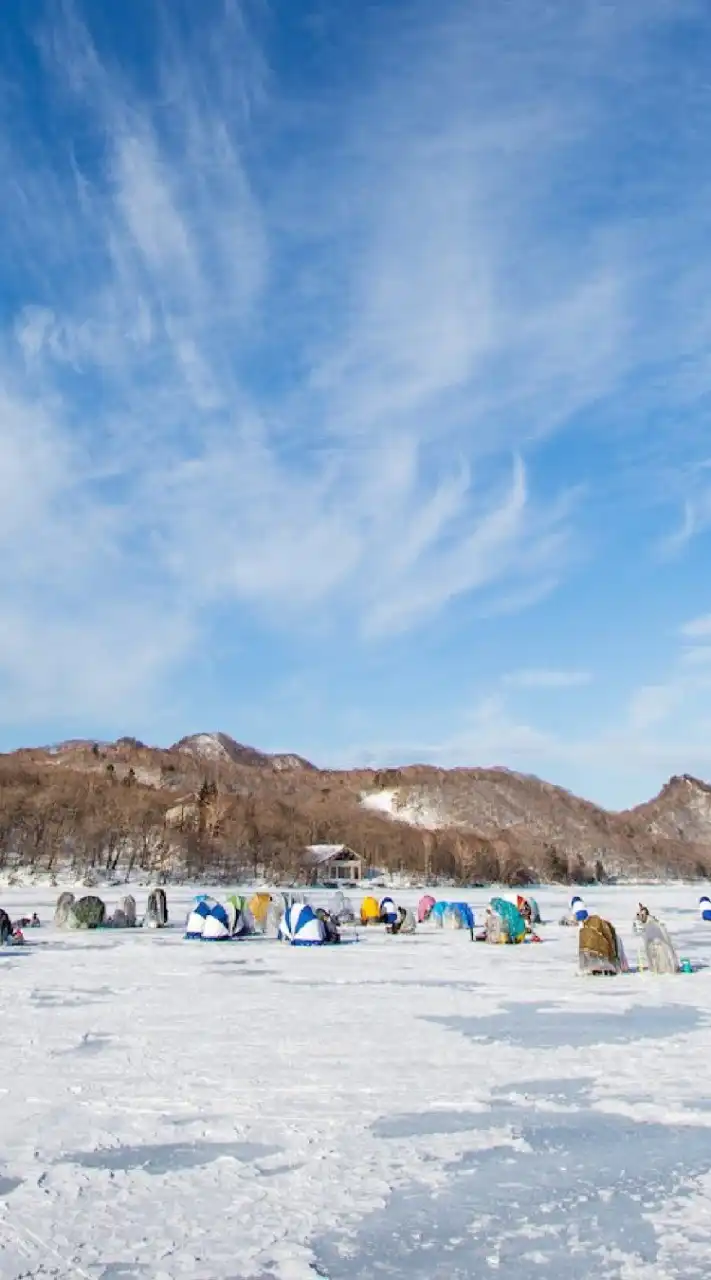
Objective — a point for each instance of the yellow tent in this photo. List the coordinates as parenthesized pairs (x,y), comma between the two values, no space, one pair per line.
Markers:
(369,911)
(259,906)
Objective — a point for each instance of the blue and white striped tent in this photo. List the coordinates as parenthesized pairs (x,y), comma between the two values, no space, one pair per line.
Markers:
(705,908)
(301,926)
(578,908)
(388,911)
(211,921)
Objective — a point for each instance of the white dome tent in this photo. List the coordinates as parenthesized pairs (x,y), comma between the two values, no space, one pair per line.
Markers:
(301,926)
(212,921)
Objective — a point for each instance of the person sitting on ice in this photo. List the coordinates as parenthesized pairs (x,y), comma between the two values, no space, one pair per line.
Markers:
(578,913)
(503,923)
(529,909)
(329,924)
(525,909)
(5,927)
(405,922)
(492,930)
(705,908)
(659,952)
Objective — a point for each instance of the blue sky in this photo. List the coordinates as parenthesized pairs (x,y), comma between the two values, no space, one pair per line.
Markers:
(355,371)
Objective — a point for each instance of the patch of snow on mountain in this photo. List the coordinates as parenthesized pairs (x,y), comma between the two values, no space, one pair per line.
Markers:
(417,811)
(284,761)
(380,801)
(207,745)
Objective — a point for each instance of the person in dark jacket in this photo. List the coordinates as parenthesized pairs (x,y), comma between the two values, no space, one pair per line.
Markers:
(329,924)
(405,922)
(5,927)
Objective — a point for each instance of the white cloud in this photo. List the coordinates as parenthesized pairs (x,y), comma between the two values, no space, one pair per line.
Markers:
(658,730)
(543,678)
(487,736)
(696,519)
(697,628)
(696,656)
(297,386)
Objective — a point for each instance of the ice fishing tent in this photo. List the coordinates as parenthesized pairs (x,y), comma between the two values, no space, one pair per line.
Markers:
(424,908)
(5,927)
(578,909)
(278,904)
(238,907)
(511,926)
(124,916)
(406,921)
(600,949)
(705,908)
(340,908)
(659,952)
(61,912)
(524,900)
(301,926)
(258,906)
(458,915)
(212,921)
(437,913)
(86,913)
(388,911)
(156,910)
(369,911)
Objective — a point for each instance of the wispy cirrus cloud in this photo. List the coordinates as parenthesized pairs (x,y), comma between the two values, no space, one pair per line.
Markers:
(695,519)
(267,357)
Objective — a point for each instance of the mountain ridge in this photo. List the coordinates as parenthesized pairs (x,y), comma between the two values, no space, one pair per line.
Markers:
(219,798)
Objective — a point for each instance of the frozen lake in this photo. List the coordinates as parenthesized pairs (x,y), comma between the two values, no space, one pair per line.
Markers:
(418,1107)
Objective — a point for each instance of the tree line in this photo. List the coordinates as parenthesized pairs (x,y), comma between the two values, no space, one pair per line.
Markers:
(56,820)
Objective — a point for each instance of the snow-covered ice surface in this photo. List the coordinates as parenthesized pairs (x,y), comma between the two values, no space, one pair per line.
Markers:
(418,1107)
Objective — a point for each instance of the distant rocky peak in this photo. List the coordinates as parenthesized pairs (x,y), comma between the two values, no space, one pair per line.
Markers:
(222,747)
